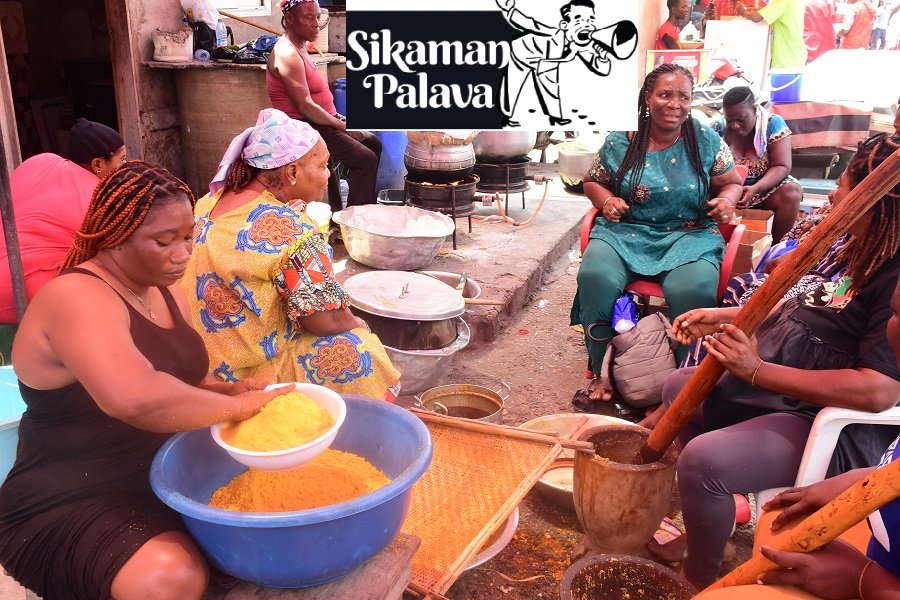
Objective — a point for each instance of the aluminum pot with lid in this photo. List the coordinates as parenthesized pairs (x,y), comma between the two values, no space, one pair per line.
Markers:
(503,146)
(407,311)
(440,163)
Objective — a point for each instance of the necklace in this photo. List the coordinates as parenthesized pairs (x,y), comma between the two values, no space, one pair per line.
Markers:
(145,305)
(662,147)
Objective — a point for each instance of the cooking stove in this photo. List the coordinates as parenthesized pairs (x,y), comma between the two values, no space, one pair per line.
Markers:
(503,178)
(452,199)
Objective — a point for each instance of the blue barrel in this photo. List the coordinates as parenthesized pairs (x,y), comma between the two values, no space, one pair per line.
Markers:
(340,95)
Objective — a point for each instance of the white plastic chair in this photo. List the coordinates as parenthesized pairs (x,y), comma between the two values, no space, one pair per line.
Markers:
(822,441)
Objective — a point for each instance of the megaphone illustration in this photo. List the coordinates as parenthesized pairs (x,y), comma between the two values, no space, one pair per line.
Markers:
(619,39)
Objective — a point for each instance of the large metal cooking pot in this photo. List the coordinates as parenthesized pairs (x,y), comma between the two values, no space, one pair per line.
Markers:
(503,146)
(407,311)
(574,161)
(438,164)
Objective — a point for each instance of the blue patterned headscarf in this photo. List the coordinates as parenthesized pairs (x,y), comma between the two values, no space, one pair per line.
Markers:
(273,142)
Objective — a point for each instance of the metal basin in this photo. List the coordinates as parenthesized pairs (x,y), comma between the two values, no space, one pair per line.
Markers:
(464,400)
(424,369)
(406,334)
(503,146)
(402,238)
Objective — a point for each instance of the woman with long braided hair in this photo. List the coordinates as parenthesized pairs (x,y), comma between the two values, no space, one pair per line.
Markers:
(109,366)
(661,191)
(826,347)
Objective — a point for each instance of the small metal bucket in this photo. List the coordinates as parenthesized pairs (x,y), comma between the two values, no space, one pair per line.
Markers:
(465,400)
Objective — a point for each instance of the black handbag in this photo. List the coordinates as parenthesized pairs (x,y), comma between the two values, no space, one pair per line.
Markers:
(247,55)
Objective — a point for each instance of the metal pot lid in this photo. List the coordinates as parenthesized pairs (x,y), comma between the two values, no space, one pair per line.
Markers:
(404,295)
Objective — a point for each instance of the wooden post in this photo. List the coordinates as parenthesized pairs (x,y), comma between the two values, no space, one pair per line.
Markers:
(860,199)
(12,239)
(862,498)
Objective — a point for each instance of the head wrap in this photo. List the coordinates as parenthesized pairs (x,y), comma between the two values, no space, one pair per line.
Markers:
(287,5)
(273,142)
(89,140)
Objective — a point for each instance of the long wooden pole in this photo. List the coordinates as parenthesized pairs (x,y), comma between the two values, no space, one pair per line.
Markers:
(249,22)
(860,199)
(11,237)
(860,500)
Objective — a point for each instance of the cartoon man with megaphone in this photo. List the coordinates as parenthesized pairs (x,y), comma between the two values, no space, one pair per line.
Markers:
(540,51)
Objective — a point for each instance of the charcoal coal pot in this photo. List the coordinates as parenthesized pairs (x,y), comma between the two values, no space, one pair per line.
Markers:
(407,311)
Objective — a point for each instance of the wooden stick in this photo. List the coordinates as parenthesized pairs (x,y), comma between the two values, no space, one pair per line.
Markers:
(860,500)
(860,199)
(249,22)
(424,592)
(483,301)
(502,430)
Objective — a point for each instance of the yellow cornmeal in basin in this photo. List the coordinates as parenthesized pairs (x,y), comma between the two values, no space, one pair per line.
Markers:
(288,421)
(331,477)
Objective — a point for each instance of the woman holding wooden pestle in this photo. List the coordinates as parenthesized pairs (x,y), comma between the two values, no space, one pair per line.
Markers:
(751,431)
(839,570)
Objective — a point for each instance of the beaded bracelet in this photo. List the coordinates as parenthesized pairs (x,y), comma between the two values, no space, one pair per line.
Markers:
(753,377)
(862,574)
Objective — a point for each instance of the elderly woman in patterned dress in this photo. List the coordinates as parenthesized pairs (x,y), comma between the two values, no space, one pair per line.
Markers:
(661,191)
(260,282)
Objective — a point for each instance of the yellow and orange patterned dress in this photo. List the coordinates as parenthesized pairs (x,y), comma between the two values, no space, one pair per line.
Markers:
(255,270)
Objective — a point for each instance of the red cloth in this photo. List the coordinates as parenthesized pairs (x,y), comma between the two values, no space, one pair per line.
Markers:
(861,28)
(818,27)
(315,81)
(50,197)
(667,28)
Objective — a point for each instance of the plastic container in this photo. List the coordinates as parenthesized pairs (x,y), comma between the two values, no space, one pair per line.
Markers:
(306,547)
(785,84)
(201,55)
(11,408)
(221,34)
(279,460)
(340,95)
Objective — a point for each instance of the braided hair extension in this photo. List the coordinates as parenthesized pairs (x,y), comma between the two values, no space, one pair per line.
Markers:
(636,155)
(240,173)
(120,204)
(866,254)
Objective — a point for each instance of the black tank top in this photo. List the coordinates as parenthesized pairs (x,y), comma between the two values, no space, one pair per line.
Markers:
(69,449)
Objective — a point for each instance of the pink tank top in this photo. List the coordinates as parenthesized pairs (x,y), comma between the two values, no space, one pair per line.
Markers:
(318,89)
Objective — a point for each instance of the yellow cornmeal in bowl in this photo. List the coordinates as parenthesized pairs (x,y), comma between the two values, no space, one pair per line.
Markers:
(330,478)
(288,421)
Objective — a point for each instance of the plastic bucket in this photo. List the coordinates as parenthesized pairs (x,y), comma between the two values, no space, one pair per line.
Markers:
(340,95)
(11,408)
(785,84)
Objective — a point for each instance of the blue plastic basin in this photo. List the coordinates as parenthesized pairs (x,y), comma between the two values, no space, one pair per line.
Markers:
(307,547)
(11,408)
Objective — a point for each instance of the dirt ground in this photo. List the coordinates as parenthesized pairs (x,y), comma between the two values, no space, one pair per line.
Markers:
(543,362)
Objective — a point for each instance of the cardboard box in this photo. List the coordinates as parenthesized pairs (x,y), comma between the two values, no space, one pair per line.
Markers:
(753,245)
(696,61)
(755,219)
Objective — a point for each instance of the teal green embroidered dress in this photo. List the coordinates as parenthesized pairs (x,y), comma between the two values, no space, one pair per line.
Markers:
(666,227)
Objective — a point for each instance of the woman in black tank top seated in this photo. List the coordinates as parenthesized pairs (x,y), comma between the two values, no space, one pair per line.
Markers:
(109,366)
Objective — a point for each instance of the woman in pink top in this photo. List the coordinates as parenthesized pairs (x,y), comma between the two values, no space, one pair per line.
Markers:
(297,88)
(50,196)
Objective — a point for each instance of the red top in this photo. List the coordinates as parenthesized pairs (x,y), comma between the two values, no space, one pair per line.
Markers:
(818,27)
(315,81)
(861,29)
(50,196)
(667,28)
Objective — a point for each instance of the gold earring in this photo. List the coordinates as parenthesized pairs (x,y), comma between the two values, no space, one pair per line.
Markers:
(97,171)
(293,182)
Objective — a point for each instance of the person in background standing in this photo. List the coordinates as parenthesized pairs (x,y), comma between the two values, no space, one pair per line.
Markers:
(785,17)
(879,29)
(819,20)
(298,89)
(50,196)
(667,37)
(856,28)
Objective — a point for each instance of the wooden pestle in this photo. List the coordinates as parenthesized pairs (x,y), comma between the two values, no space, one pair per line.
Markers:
(860,500)
(859,200)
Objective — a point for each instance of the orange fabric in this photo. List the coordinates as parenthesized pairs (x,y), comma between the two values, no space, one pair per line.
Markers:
(861,29)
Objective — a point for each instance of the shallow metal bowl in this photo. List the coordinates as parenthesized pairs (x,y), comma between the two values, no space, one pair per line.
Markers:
(399,238)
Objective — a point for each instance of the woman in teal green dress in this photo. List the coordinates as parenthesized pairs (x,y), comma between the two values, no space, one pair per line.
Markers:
(661,190)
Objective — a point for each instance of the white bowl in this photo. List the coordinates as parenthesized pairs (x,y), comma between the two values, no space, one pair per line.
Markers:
(279,460)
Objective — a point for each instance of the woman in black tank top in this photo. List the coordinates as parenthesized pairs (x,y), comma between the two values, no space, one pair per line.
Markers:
(108,368)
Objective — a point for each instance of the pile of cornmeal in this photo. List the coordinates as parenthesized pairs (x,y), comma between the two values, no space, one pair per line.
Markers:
(288,421)
(330,478)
